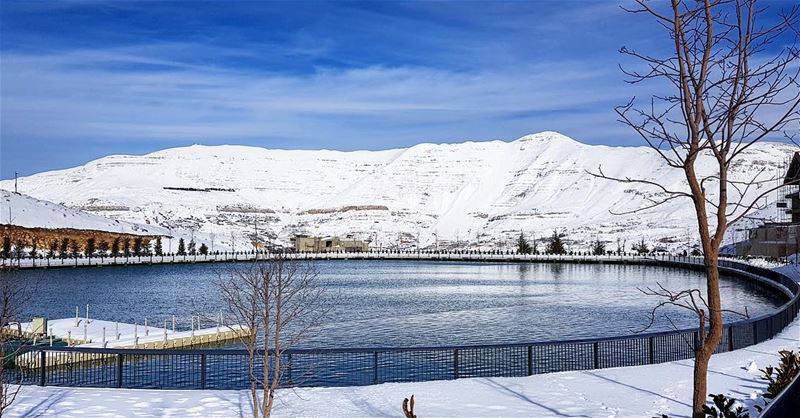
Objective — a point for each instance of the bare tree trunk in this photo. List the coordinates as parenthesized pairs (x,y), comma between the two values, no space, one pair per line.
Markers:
(718,104)
(280,302)
(700,386)
(14,294)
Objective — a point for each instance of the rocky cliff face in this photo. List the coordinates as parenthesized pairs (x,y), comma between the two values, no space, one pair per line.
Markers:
(481,193)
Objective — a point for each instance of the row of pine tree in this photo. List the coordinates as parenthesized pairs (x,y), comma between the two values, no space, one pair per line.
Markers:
(119,247)
(555,245)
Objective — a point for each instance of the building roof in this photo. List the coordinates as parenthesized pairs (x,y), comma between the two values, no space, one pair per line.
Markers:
(793,173)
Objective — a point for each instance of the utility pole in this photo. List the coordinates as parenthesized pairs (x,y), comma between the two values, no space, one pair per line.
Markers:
(15,182)
(689,241)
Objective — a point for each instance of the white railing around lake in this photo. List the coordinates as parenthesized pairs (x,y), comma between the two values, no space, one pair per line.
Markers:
(82,261)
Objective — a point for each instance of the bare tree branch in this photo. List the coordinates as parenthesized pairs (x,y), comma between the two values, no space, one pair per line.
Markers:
(280,303)
(732,83)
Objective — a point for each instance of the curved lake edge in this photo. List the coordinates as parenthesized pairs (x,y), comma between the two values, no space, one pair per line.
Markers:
(353,366)
(355,325)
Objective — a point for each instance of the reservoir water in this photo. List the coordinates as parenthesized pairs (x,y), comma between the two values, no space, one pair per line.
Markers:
(408,303)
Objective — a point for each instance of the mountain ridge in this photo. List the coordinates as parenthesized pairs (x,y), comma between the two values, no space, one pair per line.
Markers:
(482,192)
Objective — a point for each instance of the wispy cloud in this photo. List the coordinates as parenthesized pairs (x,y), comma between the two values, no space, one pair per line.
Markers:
(143,92)
(92,78)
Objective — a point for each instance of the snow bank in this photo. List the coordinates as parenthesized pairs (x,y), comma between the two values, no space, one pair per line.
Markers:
(21,210)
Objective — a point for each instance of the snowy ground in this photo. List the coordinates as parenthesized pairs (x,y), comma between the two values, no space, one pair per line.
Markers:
(643,391)
(26,211)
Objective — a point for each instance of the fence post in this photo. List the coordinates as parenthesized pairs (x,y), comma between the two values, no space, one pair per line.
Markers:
(770,333)
(730,338)
(596,355)
(375,367)
(202,371)
(455,363)
(530,360)
(289,368)
(651,349)
(119,370)
(42,368)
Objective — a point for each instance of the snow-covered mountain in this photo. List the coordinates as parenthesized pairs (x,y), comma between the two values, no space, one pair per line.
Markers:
(21,210)
(478,193)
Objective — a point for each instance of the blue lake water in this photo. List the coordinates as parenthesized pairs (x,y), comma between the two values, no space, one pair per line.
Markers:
(406,303)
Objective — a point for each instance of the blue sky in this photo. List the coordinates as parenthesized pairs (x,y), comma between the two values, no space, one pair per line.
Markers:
(84,79)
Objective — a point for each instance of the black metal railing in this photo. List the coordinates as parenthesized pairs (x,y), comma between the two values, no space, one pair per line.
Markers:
(786,404)
(228,368)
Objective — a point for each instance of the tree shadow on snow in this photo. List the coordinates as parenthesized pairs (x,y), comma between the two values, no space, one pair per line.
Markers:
(505,389)
(727,374)
(650,392)
(49,400)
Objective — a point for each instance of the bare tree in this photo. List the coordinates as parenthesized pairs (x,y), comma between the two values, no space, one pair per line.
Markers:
(14,293)
(280,302)
(728,82)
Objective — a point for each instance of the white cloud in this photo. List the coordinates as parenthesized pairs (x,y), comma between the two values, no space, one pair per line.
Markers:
(154,93)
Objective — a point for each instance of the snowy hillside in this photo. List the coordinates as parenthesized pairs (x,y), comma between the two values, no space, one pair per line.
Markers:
(477,193)
(21,210)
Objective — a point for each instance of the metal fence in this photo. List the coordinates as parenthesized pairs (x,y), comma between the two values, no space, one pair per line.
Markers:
(228,368)
(786,404)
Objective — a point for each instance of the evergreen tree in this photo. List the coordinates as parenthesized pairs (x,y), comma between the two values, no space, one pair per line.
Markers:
(137,246)
(641,247)
(191,248)
(556,245)
(64,249)
(74,248)
(115,247)
(126,247)
(102,247)
(19,249)
(90,247)
(181,247)
(203,249)
(598,247)
(34,250)
(159,249)
(522,245)
(146,250)
(6,247)
(51,251)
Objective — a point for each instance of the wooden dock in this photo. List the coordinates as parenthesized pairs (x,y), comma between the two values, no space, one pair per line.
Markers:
(95,333)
